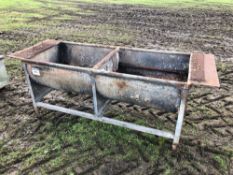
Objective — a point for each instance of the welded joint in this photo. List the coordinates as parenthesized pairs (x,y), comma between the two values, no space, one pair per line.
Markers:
(30,87)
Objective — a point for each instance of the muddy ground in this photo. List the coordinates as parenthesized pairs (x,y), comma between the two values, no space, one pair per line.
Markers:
(55,143)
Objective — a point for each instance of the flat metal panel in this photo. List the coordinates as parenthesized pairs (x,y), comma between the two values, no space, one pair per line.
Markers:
(56,78)
(83,56)
(203,70)
(155,60)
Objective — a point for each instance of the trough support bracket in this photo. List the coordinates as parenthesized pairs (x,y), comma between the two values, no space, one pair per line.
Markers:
(37,91)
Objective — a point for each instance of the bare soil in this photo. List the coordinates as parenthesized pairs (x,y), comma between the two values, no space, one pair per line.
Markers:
(31,143)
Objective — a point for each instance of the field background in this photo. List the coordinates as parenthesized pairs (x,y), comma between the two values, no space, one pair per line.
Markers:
(54,143)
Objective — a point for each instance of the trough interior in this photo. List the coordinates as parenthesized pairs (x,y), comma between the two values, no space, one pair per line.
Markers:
(80,55)
(167,66)
(74,54)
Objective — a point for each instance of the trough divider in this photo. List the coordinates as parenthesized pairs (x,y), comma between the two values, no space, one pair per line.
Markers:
(106,58)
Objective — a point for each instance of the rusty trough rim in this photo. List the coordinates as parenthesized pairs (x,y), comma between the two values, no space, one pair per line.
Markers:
(34,50)
(202,70)
(52,43)
(127,48)
(202,67)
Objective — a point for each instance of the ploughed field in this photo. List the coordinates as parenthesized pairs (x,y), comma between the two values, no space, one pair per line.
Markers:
(56,143)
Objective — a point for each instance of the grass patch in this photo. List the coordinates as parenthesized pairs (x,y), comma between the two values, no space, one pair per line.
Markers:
(30,4)
(59,144)
(30,14)
(171,3)
(221,163)
(20,12)
(33,4)
(13,66)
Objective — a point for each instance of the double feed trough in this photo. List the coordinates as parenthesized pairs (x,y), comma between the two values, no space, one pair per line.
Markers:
(139,76)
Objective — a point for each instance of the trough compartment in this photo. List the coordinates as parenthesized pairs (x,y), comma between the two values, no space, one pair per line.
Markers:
(136,68)
(139,76)
(67,55)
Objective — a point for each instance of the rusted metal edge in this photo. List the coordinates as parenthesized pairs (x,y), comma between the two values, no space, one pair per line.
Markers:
(202,70)
(35,50)
(127,48)
(46,44)
(106,58)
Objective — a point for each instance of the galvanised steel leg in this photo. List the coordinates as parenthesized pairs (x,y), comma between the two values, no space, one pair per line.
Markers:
(30,88)
(180,118)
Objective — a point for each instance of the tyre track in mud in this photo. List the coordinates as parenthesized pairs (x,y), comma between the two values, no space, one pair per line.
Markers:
(185,29)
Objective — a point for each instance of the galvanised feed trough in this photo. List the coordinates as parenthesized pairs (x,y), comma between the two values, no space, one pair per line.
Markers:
(3,74)
(139,76)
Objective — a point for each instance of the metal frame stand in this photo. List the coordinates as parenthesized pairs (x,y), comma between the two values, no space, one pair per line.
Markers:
(38,91)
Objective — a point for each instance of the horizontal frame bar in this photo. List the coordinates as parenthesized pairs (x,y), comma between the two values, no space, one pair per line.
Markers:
(103,119)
